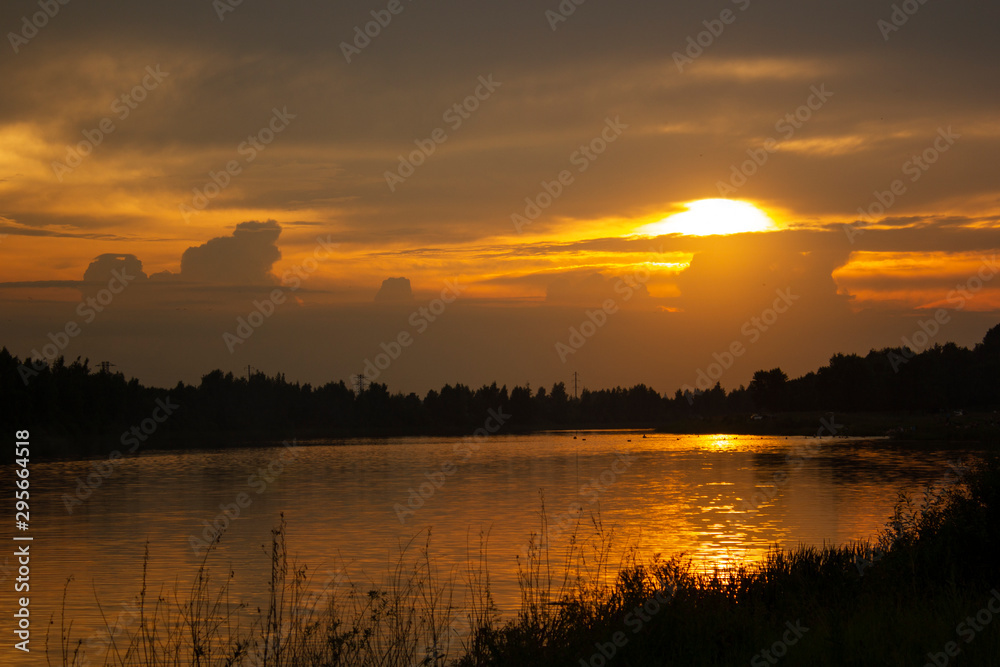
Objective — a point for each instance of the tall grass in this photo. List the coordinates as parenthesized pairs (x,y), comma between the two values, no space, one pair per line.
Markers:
(403,620)
(897,599)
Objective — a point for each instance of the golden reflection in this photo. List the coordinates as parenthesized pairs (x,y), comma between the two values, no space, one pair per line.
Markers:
(718,442)
(709,524)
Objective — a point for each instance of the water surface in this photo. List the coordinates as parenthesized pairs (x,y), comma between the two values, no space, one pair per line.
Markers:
(719,499)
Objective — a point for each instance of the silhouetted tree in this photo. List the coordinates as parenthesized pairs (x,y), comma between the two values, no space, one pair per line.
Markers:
(768,389)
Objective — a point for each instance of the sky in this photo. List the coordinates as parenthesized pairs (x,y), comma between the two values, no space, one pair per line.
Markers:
(482,191)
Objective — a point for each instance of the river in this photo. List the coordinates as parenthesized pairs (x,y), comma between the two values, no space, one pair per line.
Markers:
(350,505)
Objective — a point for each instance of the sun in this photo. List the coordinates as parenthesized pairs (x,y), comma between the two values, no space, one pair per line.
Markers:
(707,217)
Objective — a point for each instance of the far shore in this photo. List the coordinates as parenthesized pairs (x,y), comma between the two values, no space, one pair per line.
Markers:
(915,429)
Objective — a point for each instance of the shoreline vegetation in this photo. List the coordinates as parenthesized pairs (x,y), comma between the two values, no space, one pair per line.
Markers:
(942,393)
(924,591)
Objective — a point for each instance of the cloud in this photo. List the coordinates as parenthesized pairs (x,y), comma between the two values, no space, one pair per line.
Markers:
(738,276)
(394,290)
(106,266)
(245,258)
(15,230)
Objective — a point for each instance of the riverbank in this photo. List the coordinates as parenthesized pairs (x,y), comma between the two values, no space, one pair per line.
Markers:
(905,427)
(922,592)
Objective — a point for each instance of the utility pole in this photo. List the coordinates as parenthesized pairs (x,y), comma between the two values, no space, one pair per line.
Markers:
(249,372)
(361,383)
(106,366)
(574,385)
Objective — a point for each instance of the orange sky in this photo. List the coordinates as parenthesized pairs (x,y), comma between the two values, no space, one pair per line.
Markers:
(537,159)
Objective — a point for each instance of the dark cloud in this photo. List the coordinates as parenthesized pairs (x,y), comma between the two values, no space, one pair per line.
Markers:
(245,258)
(394,290)
(14,230)
(109,266)
(36,222)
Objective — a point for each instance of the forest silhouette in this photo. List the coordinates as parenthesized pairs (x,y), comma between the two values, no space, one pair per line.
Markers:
(76,406)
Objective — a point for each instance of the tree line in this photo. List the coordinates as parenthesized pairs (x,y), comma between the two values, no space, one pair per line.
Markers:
(73,402)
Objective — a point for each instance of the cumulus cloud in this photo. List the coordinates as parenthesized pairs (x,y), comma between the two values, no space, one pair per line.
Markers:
(245,258)
(114,272)
(106,266)
(735,276)
(394,290)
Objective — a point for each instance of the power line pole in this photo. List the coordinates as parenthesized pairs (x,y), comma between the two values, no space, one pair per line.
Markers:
(249,372)
(574,385)
(106,366)
(361,383)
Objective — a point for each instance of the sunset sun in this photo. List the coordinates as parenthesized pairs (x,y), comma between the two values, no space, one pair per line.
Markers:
(710,217)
